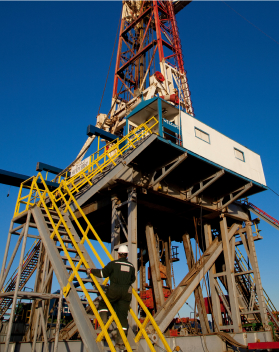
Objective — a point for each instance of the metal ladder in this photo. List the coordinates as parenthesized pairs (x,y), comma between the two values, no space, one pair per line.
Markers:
(29,266)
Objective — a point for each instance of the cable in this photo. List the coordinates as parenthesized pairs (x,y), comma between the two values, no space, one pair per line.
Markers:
(273,191)
(250,22)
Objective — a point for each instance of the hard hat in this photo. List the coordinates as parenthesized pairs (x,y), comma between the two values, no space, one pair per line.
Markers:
(123,249)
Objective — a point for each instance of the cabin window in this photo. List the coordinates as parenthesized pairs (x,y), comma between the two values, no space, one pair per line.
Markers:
(202,135)
(239,154)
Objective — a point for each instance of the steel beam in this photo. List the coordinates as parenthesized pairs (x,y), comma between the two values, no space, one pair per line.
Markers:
(154,267)
(165,172)
(114,171)
(9,331)
(215,301)
(238,195)
(214,178)
(198,291)
(115,228)
(133,246)
(232,291)
(183,291)
(257,277)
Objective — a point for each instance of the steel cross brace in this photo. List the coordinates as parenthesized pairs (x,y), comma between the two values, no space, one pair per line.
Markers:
(183,291)
(174,163)
(233,198)
(203,186)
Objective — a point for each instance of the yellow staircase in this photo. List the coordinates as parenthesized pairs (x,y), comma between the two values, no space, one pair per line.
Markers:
(269,304)
(50,209)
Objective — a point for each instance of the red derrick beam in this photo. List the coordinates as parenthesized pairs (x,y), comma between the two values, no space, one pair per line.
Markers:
(143,29)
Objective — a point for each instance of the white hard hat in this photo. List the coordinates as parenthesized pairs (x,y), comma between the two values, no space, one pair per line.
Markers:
(123,249)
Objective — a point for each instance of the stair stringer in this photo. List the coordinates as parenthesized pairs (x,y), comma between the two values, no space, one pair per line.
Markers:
(87,333)
(131,335)
(121,166)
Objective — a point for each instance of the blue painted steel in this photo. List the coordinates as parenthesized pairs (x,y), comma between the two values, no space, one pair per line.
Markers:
(160,116)
(141,106)
(15,179)
(170,126)
(45,167)
(92,130)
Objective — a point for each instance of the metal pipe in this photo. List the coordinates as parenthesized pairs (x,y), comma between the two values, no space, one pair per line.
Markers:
(35,334)
(29,334)
(3,279)
(6,253)
(8,336)
(43,323)
(58,322)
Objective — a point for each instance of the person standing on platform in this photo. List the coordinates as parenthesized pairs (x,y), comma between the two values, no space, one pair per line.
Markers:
(122,275)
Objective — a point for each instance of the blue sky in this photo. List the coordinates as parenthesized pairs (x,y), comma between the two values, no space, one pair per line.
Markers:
(53,65)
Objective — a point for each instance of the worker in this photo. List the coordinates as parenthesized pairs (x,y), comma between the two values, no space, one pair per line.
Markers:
(122,275)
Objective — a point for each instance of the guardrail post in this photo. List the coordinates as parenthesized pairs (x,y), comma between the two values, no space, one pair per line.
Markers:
(160,116)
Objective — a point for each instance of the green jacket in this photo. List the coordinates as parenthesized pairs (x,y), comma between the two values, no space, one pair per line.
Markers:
(120,272)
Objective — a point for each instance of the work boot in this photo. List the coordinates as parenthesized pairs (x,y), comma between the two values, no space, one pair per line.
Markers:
(104,316)
(119,344)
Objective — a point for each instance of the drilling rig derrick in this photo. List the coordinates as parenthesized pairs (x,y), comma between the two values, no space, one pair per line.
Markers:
(164,181)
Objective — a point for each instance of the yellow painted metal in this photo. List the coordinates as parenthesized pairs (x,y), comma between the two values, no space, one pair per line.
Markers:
(65,194)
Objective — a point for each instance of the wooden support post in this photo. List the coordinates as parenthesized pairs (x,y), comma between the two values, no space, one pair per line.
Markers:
(232,291)
(215,301)
(257,277)
(154,267)
(198,291)
(115,228)
(133,245)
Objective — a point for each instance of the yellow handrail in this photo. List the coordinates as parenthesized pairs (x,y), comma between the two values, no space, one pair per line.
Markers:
(84,262)
(99,161)
(65,194)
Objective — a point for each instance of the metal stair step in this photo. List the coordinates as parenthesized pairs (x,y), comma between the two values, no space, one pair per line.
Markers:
(66,240)
(72,258)
(83,270)
(72,250)
(88,290)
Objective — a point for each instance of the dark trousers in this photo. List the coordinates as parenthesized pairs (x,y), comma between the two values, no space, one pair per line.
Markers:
(120,300)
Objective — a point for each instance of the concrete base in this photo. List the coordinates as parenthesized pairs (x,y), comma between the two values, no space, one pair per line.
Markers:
(206,343)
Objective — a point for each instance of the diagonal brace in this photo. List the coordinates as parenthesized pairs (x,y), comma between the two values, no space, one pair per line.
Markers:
(165,172)
(233,198)
(215,177)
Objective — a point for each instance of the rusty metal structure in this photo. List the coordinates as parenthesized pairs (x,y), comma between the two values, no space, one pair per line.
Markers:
(145,189)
